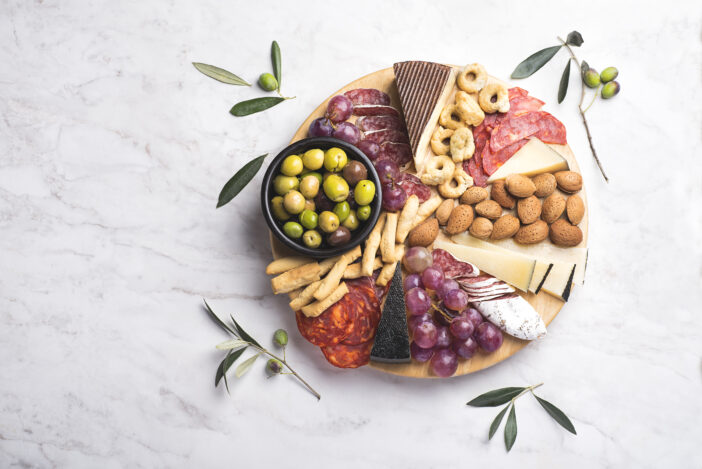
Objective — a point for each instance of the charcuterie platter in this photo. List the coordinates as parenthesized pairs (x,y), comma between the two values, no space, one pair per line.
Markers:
(482,232)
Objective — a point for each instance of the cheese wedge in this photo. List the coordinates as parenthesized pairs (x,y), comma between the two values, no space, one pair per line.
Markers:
(515,269)
(533,158)
(559,281)
(541,271)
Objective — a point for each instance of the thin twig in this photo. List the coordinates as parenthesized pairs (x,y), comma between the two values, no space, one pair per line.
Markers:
(282,360)
(582,113)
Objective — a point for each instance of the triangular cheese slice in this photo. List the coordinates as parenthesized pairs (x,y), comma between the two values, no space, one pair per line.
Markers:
(391,338)
(533,158)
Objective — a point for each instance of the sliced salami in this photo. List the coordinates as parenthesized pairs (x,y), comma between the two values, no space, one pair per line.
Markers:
(474,167)
(362,296)
(375,110)
(451,266)
(330,327)
(400,153)
(386,135)
(515,129)
(492,161)
(371,123)
(522,104)
(364,96)
(551,130)
(414,186)
(348,356)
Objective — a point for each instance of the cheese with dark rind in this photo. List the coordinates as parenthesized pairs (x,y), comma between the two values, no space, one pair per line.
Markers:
(391,338)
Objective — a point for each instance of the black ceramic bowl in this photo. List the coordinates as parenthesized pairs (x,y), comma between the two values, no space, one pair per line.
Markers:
(267,193)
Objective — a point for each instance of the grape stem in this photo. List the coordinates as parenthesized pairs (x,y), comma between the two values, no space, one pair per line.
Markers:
(582,111)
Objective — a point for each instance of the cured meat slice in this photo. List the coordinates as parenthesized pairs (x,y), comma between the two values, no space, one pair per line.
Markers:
(330,327)
(474,167)
(371,123)
(392,340)
(386,135)
(363,298)
(348,356)
(514,315)
(452,267)
(514,129)
(400,153)
(517,91)
(375,110)
(413,185)
(521,104)
(363,96)
(551,130)
(493,161)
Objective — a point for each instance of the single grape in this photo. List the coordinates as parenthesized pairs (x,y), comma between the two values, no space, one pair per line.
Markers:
(456,299)
(461,328)
(444,363)
(412,281)
(446,286)
(417,259)
(394,197)
(320,127)
(387,170)
(489,337)
(370,148)
(347,132)
(417,301)
(432,277)
(339,108)
(421,354)
(474,316)
(425,335)
(415,321)
(464,348)
(443,338)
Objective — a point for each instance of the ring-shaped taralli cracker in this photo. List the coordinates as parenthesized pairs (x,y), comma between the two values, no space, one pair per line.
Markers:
(497,91)
(462,180)
(468,109)
(462,145)
(438,170)
(472,78)
(446,119)
(437,140)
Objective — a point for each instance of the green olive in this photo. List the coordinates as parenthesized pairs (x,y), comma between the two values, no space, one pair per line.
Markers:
(310,205)
(339,237)
(284,184)
(292,165)
(363,213)
(336,188)
(280,337)
(335,159)
(309,186)
(609,74)
(273,366)
(278,209)
(610,89)
(294,202)
(328,222)
(313,159)
(591,78)
(293,229)
(268,82)
(342,210)
(308,219)
(312,239)
(313,173)
(351,221)
(364,192)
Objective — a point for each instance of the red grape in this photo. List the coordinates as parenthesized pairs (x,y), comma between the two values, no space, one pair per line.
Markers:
(461,328)
(347,132)
(446,286)
(320,127)
(388,171)
(464,348)
(432,277)
(394,197)
(444,363)
(474,316)
(489,337)
(371,149)
(456,299)
(339,108)
(425,335)
(417,301)
(413,281)
(415,321)
(421,354)
(417,259)
(443,339)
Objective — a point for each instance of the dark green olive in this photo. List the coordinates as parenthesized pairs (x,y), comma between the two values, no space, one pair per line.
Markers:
(342,210)
(609,90)
(591,78)
(341,236)
(293,229)
(308,219)
(363,213)
(609,74)
(274,367)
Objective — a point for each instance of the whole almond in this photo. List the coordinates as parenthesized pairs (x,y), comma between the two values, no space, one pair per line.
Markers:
(575,209)
(529,209)
(460,219)
(553,207)
(489,209)
(545,184)
(519,186)
(533,233)
(563,233)
(473,195)
(569,181)
(481,228)
(444,211)
(505,227)
(425,233)
(499,194)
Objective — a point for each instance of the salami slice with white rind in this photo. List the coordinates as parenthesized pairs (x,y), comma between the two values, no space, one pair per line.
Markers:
(364,96)
(371,123)
(513,315)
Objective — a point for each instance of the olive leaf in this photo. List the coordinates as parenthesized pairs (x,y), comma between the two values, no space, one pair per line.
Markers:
(243,334)
(220,74)
(232,344)
(225,365)
(496,423)
(245,366)
(238,182)
(557,415)
(252,106)
(563,86)
(495,397)
(511,429)
(574,39)
(275,58)
(216,319)
(534,62)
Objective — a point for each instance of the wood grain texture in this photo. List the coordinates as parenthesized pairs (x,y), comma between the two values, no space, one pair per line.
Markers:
(547,305)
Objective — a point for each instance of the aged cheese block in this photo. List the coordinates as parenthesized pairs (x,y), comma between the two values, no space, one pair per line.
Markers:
(391,338)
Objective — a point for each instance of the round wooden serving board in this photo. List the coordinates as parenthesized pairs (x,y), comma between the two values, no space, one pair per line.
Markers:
(547,305)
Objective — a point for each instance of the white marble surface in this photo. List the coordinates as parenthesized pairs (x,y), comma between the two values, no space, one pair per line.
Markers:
(113,150)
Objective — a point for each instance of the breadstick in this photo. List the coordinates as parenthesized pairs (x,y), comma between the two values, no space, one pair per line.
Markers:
(427,208)
(407,216)
(305,296)
(331,281)
(354,270)
(386,274)
(284,264)
(372,244)
(387,241)
(326,265)
(295,278)
(295,293)
(399,251)
(318,307)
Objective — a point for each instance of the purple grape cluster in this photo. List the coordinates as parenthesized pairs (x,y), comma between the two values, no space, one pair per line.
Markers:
(448,330)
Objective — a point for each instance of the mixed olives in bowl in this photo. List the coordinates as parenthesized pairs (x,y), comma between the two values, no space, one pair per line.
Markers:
(320,196)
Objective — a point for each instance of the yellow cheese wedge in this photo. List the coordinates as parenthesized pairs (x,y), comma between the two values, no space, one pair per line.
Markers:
(559,281)
(515,269)
(541,271)
(533,158)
